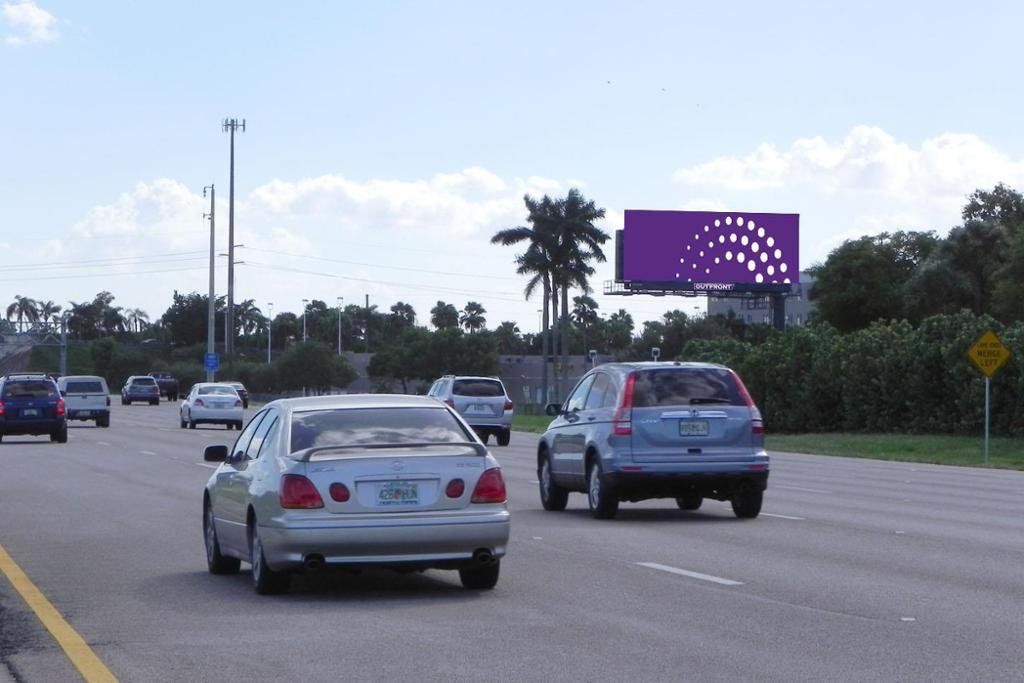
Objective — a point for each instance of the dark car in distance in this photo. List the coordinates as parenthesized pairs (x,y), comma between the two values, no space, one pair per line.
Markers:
(243,393)
(167,383)
(31,404)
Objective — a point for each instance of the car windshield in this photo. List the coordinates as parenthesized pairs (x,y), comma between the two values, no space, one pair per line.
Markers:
(359,426)
(685,386)
(29,388)
(226,391)
(144,381)
(239,386)
(478,387)
(84,387)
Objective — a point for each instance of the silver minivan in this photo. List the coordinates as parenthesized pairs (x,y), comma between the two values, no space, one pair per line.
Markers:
(635,431)
(86,397)
(481,401)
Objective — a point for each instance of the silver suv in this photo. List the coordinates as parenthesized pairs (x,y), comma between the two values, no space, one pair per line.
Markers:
(481,401)
(634,431)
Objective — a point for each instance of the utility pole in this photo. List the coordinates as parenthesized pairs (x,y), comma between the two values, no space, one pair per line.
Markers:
(305,305)
(211,319)
(270,326)
(230,126)
(341,300)
(367,335)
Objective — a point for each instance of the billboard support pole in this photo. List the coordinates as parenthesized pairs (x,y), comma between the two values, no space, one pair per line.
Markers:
(779,312)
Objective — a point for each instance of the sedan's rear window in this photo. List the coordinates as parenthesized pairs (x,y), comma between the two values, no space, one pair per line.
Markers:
(685,386)
(478,387)
(84,387)
(30,388)
(225,391)
(144,381)
(358,426)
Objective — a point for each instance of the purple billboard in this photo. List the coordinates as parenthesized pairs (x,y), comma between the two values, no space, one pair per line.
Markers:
(692,248)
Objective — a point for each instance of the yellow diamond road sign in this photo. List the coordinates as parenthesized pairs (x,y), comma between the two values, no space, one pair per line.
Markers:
(988,353)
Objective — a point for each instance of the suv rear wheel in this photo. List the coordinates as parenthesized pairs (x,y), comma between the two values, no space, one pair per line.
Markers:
(603,502)
(552,496)
(504,436)
(747,504)
(690,501)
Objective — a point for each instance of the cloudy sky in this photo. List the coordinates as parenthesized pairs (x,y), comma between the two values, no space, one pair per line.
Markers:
(386,142)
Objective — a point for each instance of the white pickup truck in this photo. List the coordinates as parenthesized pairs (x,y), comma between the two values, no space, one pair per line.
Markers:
(86,397)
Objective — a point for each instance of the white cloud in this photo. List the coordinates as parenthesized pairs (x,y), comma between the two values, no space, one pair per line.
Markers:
(867,159)
(462,203)
(161,208)
(30,23)
(703,205)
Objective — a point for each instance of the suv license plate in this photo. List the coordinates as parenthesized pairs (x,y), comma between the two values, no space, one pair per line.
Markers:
(693,428)
(30,412)
(397,493)
(85,413)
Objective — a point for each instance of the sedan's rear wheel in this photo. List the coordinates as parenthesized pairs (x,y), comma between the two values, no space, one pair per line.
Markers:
(481,578)
(265,580)
(191,424)
(747,504)
(604,504)
(690,501)
(552,496)
(215,562)
(182,420)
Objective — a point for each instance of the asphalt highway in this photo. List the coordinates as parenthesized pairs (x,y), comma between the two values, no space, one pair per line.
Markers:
(856,570)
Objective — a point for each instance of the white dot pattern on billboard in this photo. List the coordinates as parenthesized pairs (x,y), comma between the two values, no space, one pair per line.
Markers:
(764,262)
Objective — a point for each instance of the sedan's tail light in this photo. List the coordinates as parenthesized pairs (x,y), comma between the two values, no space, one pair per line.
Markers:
(450,403)
(509,405)
(455,488)
(238,403)
(298,493)
(340,492)
(198,402)
(60,406)
(490,488)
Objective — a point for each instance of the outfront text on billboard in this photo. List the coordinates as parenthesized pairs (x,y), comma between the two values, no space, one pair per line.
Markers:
(694,247)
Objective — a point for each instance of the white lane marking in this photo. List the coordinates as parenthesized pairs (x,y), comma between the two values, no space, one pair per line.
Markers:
(800,488)
(103,443)
(147,452)
(534,481)
(207,465)
(769,514)
(908,619)
(692,575)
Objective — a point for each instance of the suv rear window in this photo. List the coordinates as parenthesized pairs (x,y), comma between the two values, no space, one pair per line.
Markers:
(354,426)
(478,387)
(84,387)
(685,386)
(29,388)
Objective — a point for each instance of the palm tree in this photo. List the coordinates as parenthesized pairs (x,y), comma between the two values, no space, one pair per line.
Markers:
(444,316)
(48,310)
(472,317)
(137,319)
(248,317)
(24,309)
(113,321)
(507,336)
(537,262)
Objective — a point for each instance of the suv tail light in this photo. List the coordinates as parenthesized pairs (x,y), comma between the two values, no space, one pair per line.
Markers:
(622,421)
(298,493)
(757,425)
(490,488)
(60,406)
(509,405)
(1,407)
(742,389)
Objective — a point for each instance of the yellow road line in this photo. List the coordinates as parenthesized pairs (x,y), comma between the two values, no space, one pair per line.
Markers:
(80,654)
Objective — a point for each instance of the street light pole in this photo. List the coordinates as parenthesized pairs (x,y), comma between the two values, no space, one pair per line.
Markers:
(341,300)
(270,326)
(305,305)
(211,318)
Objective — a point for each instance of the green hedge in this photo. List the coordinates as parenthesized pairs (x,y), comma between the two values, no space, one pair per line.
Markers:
(889,377)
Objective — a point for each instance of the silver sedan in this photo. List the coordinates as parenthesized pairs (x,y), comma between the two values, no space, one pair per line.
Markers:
(361,480)
(211,403)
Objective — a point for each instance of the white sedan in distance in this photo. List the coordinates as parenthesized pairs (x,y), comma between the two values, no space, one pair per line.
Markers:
(211,403)
(350,481)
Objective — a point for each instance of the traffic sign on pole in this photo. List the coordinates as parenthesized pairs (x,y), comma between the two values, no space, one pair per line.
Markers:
(989,355)
(211,362)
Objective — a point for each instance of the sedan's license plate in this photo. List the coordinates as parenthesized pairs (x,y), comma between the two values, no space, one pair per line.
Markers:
(30,412)
(397,493)
(693,428)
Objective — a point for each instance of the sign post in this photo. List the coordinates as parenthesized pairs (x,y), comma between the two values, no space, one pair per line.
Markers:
(989,355)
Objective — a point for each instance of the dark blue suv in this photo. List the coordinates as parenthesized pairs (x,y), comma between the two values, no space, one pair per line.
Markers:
(31,404)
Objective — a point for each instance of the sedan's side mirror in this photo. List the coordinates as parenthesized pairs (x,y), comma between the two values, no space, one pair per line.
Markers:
(215,453)
(553,409)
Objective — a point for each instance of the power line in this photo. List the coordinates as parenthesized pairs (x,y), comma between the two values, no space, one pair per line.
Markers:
(103,263)
(378,265)
(104,274)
